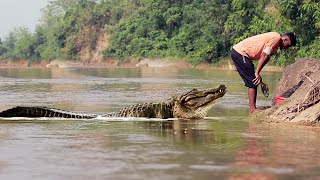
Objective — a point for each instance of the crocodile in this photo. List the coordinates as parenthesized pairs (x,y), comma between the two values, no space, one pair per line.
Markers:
(190,105)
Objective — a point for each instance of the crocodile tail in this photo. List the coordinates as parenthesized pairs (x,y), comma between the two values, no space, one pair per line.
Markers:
(34,112)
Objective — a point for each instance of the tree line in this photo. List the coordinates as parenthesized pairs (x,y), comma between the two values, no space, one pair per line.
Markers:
(193,30)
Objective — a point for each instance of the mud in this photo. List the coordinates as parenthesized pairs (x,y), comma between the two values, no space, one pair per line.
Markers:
(300,85)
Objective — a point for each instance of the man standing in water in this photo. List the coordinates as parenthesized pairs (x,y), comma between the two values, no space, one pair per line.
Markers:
(259,47)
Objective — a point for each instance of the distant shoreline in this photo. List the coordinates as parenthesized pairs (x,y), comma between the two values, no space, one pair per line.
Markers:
(152,63)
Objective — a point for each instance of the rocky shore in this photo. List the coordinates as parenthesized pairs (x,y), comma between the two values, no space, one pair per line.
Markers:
(300,87)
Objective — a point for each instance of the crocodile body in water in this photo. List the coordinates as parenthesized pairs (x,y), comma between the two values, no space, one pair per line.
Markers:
(191,105)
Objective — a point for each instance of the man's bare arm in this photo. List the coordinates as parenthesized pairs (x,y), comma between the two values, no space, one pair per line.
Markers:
(262,62)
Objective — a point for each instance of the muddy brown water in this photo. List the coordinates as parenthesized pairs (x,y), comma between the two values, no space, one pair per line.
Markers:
(224,145)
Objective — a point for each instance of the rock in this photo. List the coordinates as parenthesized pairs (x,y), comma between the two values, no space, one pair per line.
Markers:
(162,63)
(156,63)
(294,75)
(300,85)
(309,116)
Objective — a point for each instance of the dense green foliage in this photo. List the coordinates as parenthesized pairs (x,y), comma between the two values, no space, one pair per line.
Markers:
(195,30)
(178,29)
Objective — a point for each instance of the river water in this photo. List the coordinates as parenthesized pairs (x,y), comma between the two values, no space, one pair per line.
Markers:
(224,145)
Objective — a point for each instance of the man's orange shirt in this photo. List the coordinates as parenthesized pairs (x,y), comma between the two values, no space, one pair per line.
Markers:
(253,47)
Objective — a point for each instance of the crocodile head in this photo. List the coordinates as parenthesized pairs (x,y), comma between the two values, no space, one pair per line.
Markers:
(196,103)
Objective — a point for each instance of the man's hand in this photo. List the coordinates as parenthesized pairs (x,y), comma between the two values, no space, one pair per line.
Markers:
(262,62)
(256,81)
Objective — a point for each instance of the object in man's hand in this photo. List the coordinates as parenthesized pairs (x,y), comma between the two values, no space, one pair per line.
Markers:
(264,89)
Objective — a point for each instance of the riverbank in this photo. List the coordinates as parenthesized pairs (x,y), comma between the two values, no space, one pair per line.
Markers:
(133,63)
(300,88)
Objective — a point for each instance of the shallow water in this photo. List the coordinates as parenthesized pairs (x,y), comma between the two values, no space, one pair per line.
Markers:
(224,145)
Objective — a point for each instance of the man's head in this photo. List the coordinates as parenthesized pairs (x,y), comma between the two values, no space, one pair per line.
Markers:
(287,40)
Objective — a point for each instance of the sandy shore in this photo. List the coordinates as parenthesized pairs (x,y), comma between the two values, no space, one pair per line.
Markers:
(154,63)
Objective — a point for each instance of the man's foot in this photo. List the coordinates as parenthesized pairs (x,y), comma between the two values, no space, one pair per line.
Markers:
(255,110)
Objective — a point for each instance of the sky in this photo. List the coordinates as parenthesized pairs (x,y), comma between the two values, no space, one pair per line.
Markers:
(18,13)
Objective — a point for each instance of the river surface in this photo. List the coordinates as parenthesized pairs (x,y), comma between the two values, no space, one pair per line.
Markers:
(224,145)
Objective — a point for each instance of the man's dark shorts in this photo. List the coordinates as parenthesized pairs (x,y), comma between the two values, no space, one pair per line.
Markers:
(244,67)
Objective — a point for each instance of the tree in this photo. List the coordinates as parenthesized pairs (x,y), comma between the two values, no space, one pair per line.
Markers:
(304,14)
(24,46)
(8,46)
(194,30)
(3,49)
(177,29)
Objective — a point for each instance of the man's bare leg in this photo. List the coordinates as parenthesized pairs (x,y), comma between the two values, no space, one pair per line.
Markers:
(252,92)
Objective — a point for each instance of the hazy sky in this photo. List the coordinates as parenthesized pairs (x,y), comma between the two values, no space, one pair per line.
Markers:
(17,13)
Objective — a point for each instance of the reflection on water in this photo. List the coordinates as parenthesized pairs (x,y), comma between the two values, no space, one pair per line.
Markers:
(224,145)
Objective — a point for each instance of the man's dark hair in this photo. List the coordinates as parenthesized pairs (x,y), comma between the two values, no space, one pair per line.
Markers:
(292,38)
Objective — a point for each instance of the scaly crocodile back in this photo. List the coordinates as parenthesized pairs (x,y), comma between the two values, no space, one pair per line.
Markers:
(191,105)
(33,112)
(148,110)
